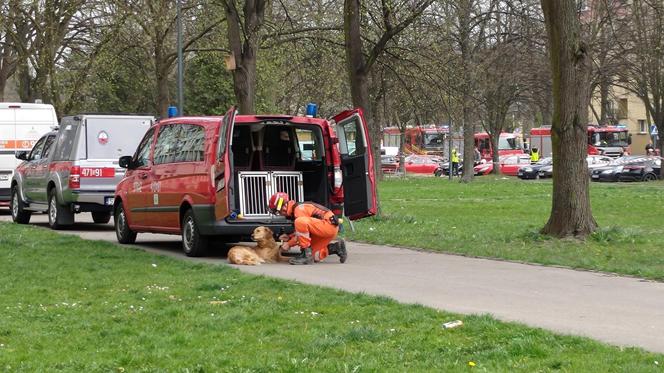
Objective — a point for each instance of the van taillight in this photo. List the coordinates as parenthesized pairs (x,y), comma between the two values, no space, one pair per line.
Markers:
(338,179)
(75,177)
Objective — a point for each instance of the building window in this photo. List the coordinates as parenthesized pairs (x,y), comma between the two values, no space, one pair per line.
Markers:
(622,109)
(643,127)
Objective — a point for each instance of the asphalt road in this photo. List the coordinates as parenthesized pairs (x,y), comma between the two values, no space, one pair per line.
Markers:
(619,310)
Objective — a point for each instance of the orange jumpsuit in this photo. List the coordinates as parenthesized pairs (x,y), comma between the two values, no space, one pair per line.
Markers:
(313,227)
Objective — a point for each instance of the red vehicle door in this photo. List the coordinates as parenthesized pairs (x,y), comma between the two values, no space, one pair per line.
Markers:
(357,164)
(223,175)
(139,188)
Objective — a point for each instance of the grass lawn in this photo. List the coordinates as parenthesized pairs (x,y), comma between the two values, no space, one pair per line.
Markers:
(84,306)
(501,218)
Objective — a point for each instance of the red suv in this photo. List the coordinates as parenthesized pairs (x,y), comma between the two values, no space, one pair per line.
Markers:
(203,177)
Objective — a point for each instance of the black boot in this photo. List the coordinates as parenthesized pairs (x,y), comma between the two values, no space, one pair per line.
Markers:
(338,248)
(305,257)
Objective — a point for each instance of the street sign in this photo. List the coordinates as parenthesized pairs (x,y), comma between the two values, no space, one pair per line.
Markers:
(653,129)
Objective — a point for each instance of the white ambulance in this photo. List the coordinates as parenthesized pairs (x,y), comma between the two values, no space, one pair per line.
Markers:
(21,125)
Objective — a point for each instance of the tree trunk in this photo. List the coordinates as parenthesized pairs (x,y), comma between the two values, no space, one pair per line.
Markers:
(604,101)
(571,214)
(495,156)
(243,39)
(465,8)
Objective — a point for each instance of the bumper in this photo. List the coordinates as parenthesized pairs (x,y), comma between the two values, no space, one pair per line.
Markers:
(527,175)
(91,201)
(5,194)
(604,177)
(209,226)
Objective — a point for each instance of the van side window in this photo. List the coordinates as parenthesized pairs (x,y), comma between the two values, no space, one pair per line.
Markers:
(167,144)
(190,146)
(48,146)
(143,150)
(352,134)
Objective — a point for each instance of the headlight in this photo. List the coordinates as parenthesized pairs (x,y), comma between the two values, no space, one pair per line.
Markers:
(527,169)
(607,172)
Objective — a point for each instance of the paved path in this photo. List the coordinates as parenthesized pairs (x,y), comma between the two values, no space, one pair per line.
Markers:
(618,310)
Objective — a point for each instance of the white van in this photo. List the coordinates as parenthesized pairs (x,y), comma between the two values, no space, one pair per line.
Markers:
(21,125)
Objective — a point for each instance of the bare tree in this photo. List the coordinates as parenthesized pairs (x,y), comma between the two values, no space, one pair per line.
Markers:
(360,62)
(244,31)
(571,66)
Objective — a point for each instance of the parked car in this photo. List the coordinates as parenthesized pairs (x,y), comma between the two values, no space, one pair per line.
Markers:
(597,161)
(21,125)
(612,171)
(509,165)
(643,170)
(422,164)
(75,169)
(532,171)
(389,164)
(201,177)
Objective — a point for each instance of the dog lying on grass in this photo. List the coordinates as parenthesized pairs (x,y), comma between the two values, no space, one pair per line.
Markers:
(267,250)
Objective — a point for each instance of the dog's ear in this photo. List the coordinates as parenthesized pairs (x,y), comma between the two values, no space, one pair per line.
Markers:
(269,231)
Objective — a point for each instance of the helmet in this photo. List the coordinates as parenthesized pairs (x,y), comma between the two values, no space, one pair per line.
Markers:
(277,201)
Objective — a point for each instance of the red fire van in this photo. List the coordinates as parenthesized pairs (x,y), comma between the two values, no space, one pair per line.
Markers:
(203,177)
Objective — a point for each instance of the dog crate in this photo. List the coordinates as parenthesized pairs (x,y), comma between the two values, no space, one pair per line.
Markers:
(256,187)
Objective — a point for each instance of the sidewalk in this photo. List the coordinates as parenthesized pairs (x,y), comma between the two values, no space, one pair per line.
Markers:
(617,310)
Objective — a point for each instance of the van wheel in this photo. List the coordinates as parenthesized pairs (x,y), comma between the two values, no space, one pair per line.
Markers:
(100,217)
(19,215)
(193,243)
(122,231)
(59,216)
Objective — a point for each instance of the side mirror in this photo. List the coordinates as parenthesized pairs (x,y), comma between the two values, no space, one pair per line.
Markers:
(22,155)
(125,162)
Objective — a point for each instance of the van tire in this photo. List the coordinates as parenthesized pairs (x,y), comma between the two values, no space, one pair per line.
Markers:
(193,243)
(19,215)
(123,233)
(101,217)
(59,217)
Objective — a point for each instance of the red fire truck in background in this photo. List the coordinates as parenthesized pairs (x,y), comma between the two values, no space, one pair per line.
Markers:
(508,144)
(611,141)
(423,140)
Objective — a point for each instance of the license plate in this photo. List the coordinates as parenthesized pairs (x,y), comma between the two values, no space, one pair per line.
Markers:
(109,201)
(595,176)
(520,173)
(97,172)
(4,177)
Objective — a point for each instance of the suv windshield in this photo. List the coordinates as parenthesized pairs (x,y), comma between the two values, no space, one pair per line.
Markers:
(609,138)
(434,140)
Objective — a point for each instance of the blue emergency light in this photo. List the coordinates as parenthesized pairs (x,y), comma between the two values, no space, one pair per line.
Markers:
(312,110)
(172,111)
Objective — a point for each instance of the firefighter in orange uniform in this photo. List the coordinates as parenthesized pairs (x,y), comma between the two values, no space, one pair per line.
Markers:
(315,227)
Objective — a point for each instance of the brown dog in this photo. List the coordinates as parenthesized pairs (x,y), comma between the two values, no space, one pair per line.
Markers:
(267,250)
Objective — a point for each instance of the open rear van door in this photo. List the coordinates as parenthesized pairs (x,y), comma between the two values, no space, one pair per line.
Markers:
(223,179)
(357,164)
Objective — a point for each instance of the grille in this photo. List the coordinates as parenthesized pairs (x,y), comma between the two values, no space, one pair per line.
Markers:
(256,187)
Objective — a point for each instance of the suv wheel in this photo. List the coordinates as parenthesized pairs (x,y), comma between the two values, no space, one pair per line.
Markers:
(58,216)
(19,215)
(122,231)
(101,217)
(193,243)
